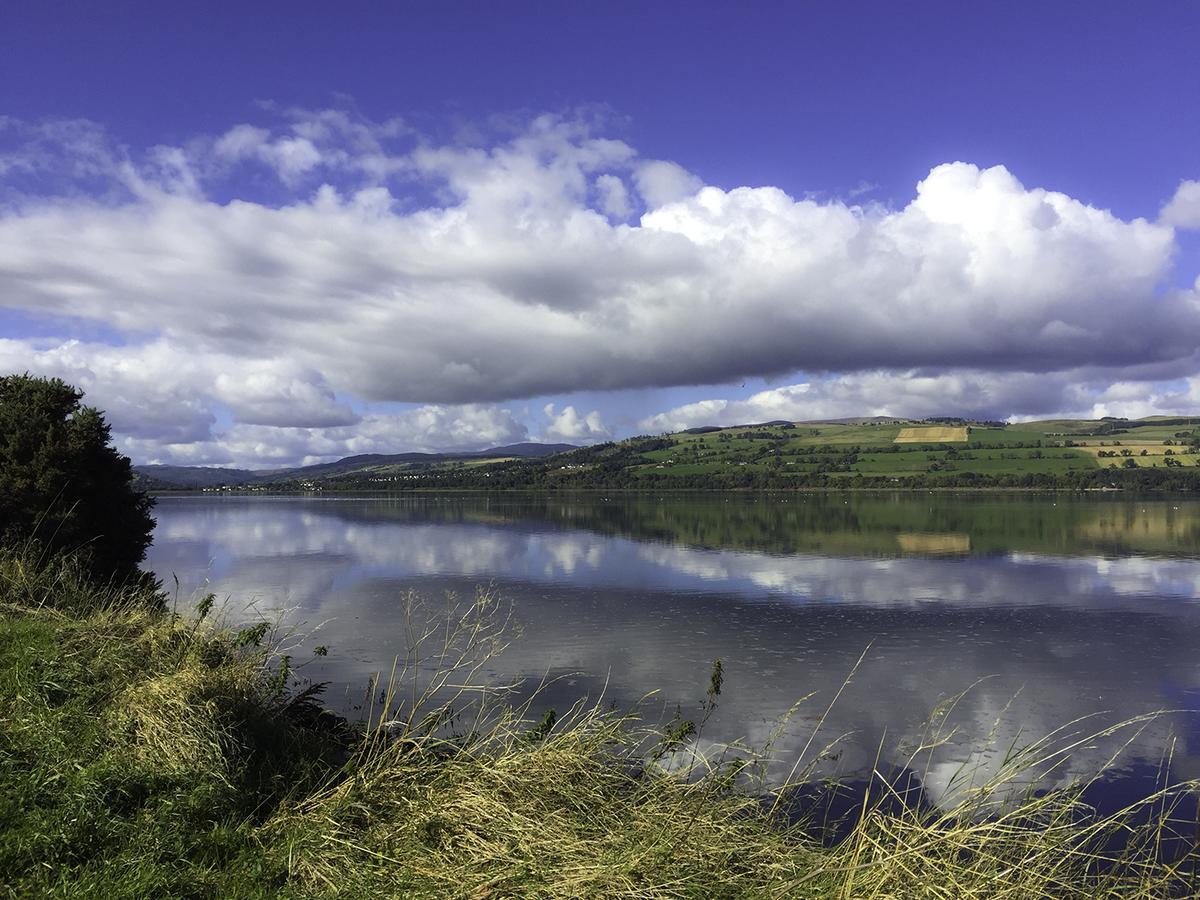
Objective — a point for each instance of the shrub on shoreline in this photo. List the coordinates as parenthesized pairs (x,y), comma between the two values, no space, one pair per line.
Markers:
(63,484)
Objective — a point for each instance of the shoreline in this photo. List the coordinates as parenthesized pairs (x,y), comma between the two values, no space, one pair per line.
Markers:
(199,763)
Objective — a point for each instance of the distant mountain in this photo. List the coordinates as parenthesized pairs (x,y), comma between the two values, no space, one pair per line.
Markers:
(783,423)
(158,477)
(709,429)
(353,464)
(527,449)
(859,420)
(155,477)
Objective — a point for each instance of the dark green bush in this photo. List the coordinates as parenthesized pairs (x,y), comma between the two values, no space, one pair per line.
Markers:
(62,484)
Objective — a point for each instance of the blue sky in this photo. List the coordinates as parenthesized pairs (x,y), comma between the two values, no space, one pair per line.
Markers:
(283,233)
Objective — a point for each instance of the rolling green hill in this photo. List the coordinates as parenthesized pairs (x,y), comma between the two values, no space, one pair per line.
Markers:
(155,477)
(883,453)
(875,452)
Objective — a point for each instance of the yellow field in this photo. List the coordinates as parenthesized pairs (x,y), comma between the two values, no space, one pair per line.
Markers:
(947,434)
(937,544)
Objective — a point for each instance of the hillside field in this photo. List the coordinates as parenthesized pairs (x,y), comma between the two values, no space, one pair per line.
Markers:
(893,452)
(935,434)
(906,449)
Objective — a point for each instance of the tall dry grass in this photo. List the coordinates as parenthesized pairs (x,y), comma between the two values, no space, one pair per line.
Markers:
(200,766)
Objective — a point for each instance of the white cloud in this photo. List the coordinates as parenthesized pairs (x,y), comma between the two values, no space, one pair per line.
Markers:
(863,187)
(242,142)
(274,393)
(661,182)
(570,425)
(401,269)
(148,385)
(148,391)
(164,407)
(1132,400)
(614,197)
(914,394)
(290,157)
(75,148)
(866,394)
(425,429)
(1183,209)
(520,289)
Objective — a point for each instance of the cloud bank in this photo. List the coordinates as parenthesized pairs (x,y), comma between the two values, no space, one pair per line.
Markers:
(917,394)
(285,279)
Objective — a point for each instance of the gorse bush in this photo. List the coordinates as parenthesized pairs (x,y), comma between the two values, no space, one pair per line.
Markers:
(63,484)
(145,754)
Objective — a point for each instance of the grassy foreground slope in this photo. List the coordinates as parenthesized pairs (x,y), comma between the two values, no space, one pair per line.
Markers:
(889,453)
(144,754)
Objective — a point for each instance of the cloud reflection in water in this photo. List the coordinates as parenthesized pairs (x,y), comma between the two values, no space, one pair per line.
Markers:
(1048,636)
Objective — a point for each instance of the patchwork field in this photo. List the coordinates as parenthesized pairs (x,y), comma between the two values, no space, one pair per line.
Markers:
(936,435)
(882,452)
(898,450)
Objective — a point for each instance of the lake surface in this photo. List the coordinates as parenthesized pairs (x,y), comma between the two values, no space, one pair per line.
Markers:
(1043,609)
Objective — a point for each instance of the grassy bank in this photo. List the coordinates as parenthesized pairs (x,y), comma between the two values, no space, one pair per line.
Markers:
(147,754)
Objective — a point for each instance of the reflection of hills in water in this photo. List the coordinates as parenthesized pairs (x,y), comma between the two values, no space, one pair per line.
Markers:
(871,525)
(1044,637)
(261,545)
(1162,526)
(923,544)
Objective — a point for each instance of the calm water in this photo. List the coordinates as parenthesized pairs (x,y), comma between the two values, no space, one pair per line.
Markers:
(1042,609)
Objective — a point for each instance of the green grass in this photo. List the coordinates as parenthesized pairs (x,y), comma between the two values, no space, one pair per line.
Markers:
(1015,434)
(1019,453)
(144,754)
(809,448)
(137,750)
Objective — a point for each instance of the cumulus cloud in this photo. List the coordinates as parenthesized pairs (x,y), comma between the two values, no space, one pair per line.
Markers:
(165,407)
(426,429)
(614,197)
(390,267)
(880,393)
(276,393)
(573,426)
(149,386)
(661,182)
(914,394)
(1131,399)
(290,157)
(1183,209)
